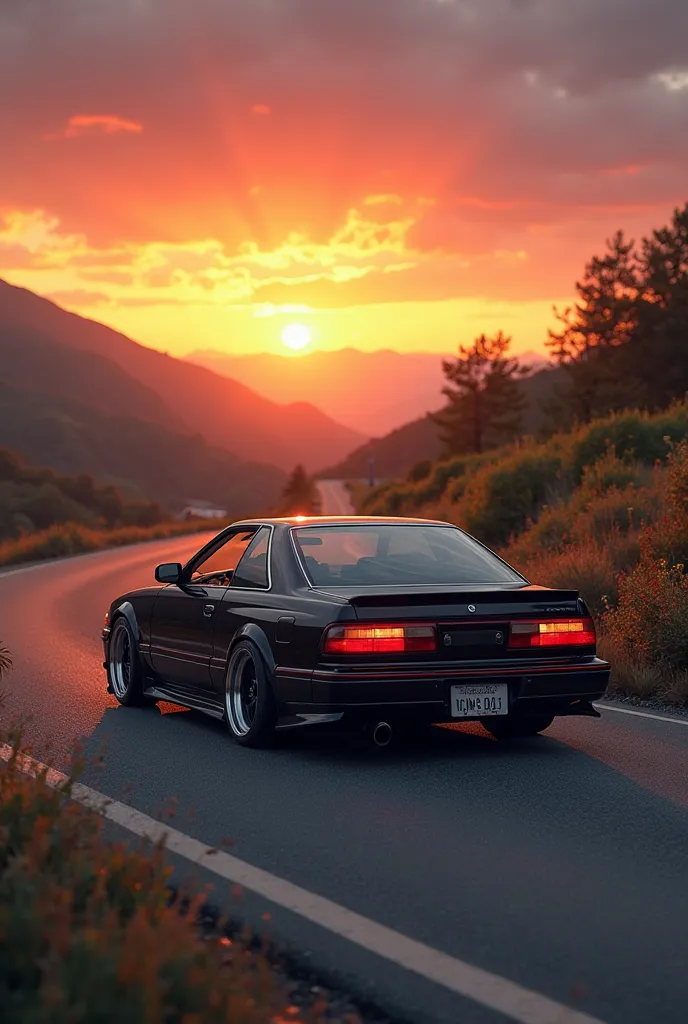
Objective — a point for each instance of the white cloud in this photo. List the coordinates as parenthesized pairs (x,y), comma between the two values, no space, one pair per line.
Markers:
(673,81)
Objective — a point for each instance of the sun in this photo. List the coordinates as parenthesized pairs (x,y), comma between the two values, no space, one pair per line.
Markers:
(296,336)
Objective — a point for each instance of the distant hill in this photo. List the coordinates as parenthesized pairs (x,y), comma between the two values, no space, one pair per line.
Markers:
(31,359)
(394,453)
(145,460)
(397,451)
(374,392)
(115,374)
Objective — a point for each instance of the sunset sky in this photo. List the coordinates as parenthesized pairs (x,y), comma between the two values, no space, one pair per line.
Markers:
(389,173)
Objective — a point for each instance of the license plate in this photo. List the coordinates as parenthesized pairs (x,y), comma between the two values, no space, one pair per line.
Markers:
(479,700)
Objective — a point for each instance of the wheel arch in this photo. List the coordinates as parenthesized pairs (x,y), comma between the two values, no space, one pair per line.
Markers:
(126,611)
(251,631)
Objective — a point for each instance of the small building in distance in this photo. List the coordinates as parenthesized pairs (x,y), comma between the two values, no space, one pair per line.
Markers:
(203,510)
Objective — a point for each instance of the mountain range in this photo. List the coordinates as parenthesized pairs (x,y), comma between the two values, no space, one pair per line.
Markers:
(80,397)
(374,392)
(66,355)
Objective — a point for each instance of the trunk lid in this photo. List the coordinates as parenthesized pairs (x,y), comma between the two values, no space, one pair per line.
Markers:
(451,603)
(474,622)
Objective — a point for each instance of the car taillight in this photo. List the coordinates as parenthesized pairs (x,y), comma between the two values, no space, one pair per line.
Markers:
(379,639)
(556,633)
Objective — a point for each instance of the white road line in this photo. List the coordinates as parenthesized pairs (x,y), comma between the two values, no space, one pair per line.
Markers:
(641,714)
(29,568)
(483,987)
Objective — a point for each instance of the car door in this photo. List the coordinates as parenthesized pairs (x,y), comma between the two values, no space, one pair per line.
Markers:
(245,600)
(184,615)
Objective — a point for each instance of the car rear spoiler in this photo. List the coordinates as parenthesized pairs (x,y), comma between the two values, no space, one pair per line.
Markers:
(536,599)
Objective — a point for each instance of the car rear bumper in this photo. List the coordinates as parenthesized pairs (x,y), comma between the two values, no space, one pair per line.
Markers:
(559,690)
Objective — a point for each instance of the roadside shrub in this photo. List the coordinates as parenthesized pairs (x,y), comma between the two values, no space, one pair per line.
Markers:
(630,435)
(436,482)
(389,502)
(609,472)
(88,931)
(667,537)
(442,510)
(73,539)
(419,471)
(373,501)
(550,533)
(615,511)
(587,568)
(615,452)
(432,487)
(636,677)
(500,500)
(5,660)
(650,622)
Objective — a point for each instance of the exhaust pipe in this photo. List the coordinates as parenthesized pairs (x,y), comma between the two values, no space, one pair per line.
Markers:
(584,707)
(382,734)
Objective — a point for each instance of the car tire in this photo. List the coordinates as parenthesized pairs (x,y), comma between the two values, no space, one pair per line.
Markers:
(250,706)
(124,666)
(516,726)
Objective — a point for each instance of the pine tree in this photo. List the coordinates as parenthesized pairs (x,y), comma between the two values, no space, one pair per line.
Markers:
(592,343)
(659,349)
(485,404)
(300,495)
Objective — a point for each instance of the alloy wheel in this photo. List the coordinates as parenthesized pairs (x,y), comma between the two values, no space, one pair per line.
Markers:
(120,660)
(242,694)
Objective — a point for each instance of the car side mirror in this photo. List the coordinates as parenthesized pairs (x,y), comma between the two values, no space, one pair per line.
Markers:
(169,572)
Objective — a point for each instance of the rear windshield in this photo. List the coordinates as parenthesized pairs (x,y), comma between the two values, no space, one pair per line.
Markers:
(372,555)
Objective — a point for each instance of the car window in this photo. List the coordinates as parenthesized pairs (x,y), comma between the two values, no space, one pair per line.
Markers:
(375,555)
(225,559)
(252,570)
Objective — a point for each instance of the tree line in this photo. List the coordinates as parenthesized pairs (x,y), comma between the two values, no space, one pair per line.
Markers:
(33,498)
(622,344)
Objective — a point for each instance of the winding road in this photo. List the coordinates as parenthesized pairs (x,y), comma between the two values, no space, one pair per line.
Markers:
(451,880)
(335,498)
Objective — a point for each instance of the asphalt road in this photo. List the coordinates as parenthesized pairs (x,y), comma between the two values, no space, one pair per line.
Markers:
(559,863)
(335,498)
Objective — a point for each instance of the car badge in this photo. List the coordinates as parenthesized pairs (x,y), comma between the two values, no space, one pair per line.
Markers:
(471,608)
(447,640)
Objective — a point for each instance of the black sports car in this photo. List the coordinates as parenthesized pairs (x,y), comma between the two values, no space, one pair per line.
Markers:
(387,622)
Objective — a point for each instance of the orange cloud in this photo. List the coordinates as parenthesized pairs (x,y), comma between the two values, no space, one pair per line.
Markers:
(261,109)
(90,124)
(616,172)
(384,199)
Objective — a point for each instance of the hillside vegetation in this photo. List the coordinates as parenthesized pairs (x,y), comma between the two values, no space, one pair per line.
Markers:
(142,459)
(601,508)
(93,932)
(397,452)
(50,515)
(33,498)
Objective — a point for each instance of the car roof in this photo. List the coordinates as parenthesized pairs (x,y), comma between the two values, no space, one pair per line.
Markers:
(343,521)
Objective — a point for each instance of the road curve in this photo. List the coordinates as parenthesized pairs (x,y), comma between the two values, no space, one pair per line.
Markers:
(557,863)
(335,498)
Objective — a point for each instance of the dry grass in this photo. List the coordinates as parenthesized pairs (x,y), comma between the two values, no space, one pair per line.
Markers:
(88,932)
(586,568)
(5,660)
(73,539)
(635,677)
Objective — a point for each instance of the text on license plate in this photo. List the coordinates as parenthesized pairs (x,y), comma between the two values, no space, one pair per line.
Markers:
(478,700)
